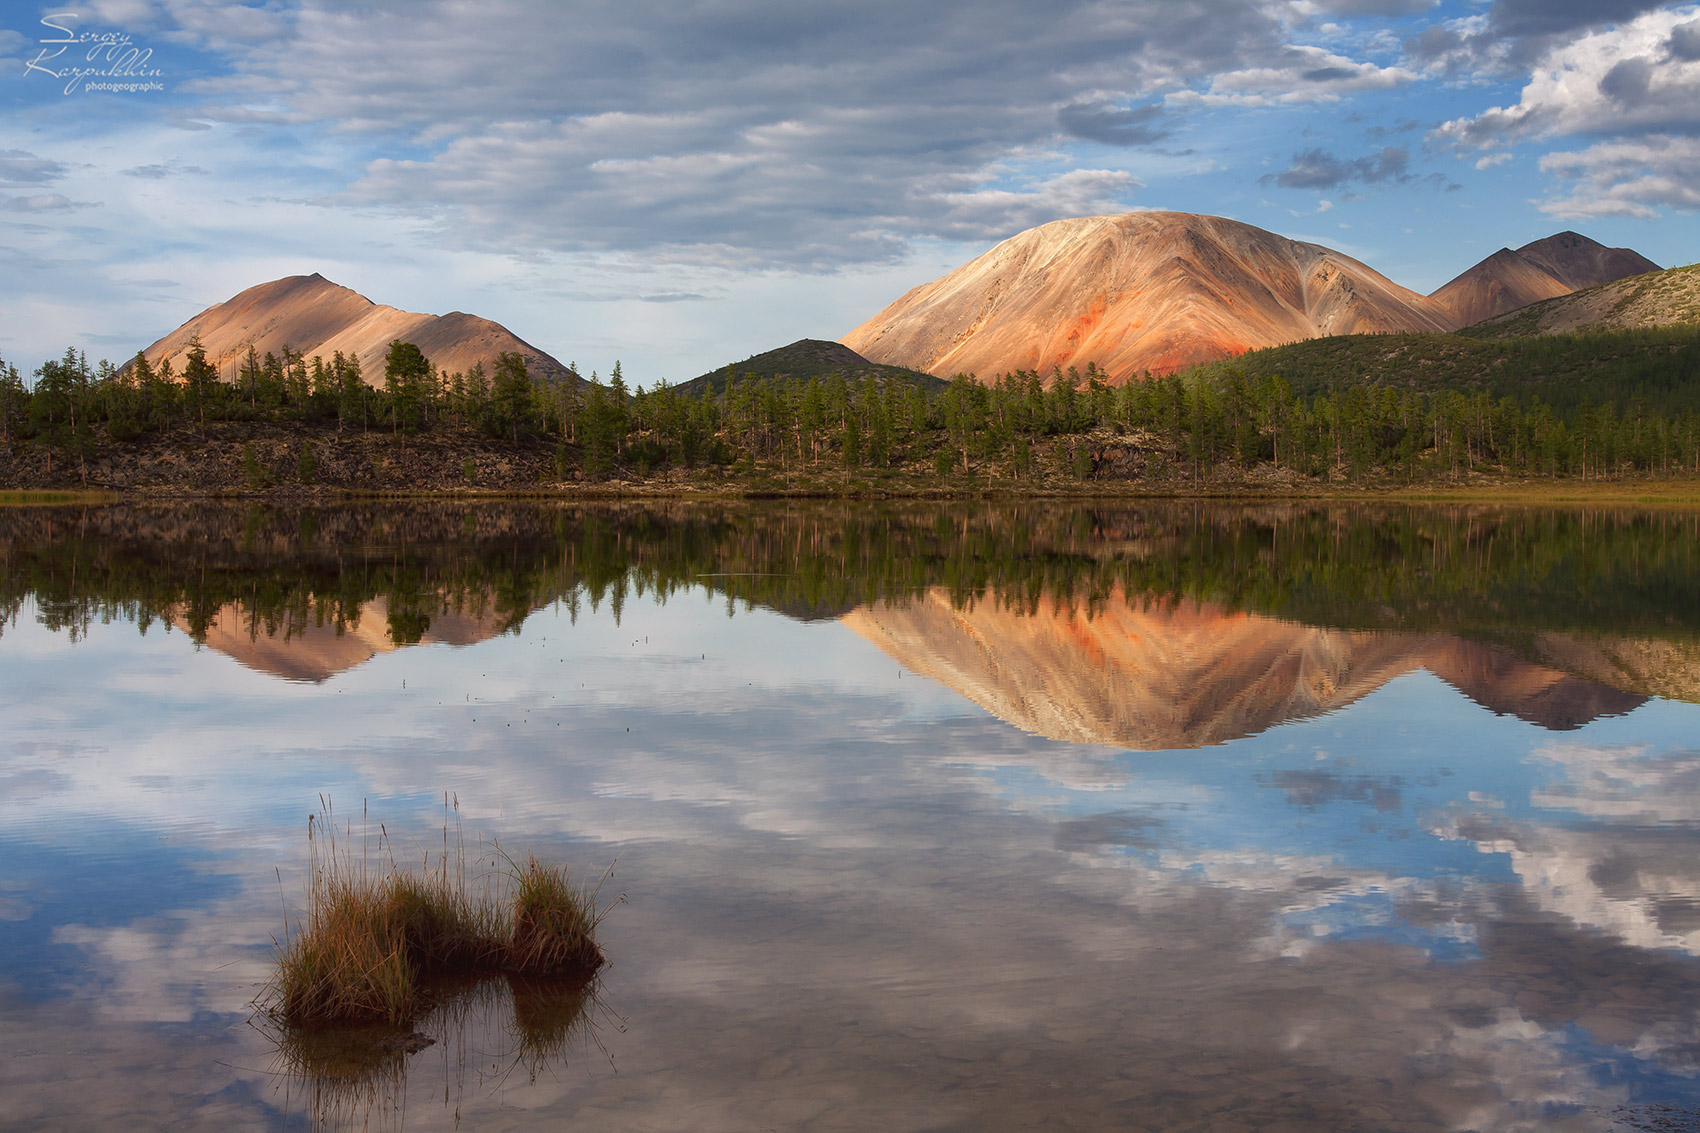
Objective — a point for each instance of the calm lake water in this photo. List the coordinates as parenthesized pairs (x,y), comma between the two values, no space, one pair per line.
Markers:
(964,817)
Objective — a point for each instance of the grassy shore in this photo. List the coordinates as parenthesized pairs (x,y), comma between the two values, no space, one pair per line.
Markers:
(1683,493)
(14,497)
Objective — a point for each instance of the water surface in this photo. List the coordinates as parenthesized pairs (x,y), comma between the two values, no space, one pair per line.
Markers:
(927,818)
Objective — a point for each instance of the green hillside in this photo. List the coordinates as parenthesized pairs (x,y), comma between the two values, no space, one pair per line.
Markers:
(1659,366)
(1657,299)
(809,358)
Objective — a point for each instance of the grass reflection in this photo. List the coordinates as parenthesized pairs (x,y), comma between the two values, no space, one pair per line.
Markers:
(478,1031)
(388,961)
(376,933)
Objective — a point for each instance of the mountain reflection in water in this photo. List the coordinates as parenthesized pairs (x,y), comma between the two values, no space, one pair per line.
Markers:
(1151,674)
(1410,840)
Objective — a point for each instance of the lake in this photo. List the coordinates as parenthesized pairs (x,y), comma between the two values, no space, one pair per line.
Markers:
(972,816)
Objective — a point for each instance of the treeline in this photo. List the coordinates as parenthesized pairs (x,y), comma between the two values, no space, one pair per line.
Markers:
(1498,573)
(1216,424)
(71,405)
(1197,427)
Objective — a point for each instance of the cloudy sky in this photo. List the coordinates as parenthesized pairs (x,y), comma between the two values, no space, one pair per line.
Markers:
(682,184)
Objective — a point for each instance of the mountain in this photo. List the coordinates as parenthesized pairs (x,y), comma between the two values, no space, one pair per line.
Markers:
(1158,676)
(1669,298)
(1149,677)
(1544,269)
(807,358)
(312,315)
(1154,291)
(317,651)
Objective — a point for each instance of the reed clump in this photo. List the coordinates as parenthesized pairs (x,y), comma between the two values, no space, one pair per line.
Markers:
(378,941)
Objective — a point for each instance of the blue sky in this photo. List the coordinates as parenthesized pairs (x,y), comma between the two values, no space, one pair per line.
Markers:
(679,185)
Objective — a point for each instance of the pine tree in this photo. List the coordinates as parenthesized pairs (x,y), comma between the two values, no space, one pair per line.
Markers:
(200,380)
(406,373)
(510,396)
(14,404)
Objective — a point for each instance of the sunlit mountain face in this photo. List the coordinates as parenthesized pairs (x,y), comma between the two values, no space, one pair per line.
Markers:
(1201,816)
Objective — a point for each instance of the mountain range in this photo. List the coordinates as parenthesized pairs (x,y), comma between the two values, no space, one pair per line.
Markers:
(1161,291)
(1544,269)
(1140,292)
(1156,676)
(1135,674)
(314,316)
(1659,299)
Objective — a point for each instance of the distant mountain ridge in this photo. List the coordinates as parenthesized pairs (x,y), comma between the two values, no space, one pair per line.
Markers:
(803,359)
(314,316)
(1162,291)
(1669,298)
(1544,269)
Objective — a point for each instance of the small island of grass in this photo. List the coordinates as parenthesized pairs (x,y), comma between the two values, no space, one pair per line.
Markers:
(377,945)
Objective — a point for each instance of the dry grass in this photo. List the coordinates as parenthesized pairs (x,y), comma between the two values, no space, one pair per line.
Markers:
(29,497)
(554,923)
(378,940)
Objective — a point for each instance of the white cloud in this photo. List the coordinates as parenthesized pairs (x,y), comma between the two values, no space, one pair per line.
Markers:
(1627,178)
(1636,85)
(1080,192)
(19,167)
(1625,79)
(1304,74)
(45,202)
(754,134)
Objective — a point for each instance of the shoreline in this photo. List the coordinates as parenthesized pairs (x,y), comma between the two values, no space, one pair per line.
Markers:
(1675,493)
(304,464)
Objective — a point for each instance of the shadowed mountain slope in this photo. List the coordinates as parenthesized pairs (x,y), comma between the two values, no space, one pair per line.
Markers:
(1656,299)
(314,316)
(807,358)
(1155,291)
(1543,269)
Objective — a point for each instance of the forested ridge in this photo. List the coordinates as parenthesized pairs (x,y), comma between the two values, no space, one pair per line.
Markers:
(1334,415)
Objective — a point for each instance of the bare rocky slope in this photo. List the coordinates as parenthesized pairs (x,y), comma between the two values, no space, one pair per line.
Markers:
(314,316)
(1161,291)
(1544,269)
(1154,291)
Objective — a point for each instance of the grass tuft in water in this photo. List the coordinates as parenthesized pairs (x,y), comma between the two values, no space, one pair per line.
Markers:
(554,923)
(378,940)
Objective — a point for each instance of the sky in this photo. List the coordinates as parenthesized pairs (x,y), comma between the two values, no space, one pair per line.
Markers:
(680,185)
